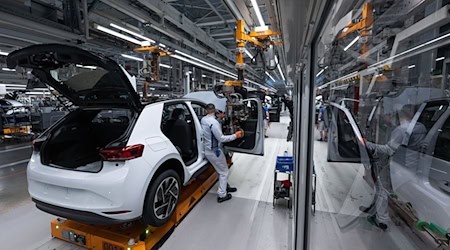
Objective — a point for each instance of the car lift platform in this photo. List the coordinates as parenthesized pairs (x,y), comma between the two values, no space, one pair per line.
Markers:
(134,235)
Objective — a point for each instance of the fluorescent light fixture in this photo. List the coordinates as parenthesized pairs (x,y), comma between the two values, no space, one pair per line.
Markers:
(440,59)
(37,93)
(86,67)
(261,28)
(203,75)
(258,12)
(165,66)
(119,35)
(3,53)
(248,53)
(351,43)
(279,69)
(411,66)
(204,65)
(162,45)
(320,72)
(132,33)
(410,50)
(281,72)
(132,57)
(269,76)
(203,62)
(15,85)
(8,69)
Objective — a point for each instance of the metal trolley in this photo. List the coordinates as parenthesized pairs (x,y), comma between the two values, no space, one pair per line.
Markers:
(281,188)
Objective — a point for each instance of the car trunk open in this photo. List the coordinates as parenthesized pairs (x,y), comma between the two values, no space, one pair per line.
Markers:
(75,143)
(100,94)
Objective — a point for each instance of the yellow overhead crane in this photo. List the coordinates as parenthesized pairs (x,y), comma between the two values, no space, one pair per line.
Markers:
(151,65)
(261,39)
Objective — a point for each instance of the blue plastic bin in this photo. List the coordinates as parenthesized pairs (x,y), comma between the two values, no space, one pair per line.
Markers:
(285,164)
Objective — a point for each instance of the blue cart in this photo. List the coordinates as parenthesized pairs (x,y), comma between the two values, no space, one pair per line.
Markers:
(281,188)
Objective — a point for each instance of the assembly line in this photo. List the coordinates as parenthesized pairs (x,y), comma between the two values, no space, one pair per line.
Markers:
(222,124)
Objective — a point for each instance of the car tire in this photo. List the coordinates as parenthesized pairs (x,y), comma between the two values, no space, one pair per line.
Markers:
(161,199)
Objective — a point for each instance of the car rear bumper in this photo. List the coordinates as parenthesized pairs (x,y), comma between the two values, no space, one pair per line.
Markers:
(77,215)
(114,193)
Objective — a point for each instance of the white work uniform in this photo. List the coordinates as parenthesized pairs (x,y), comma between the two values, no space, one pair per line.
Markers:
(212,140)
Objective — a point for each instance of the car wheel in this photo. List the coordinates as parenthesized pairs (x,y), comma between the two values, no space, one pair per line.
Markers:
(162,198)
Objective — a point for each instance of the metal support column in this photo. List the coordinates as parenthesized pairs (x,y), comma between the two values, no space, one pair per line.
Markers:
(187,81)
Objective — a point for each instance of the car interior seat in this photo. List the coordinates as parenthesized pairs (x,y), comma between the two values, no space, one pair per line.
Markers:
(180,134)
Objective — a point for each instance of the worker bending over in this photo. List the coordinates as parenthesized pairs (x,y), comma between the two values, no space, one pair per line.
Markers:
(212,141)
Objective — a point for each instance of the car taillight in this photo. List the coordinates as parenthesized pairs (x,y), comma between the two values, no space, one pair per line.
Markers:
(37,143)
(122,154)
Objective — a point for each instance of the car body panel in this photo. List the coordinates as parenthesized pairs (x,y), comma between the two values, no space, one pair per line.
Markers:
(258,148)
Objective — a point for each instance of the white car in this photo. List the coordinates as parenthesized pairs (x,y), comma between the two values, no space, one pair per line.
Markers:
(419,170)
(111,159)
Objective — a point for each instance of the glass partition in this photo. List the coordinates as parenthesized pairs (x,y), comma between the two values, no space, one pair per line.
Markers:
(381,150)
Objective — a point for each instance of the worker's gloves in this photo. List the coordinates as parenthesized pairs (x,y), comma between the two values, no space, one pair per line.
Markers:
(239,134)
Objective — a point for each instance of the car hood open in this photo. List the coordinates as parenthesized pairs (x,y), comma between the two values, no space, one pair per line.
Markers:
(86,79)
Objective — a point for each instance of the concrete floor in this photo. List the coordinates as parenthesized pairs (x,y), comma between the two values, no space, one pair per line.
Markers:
(248,221)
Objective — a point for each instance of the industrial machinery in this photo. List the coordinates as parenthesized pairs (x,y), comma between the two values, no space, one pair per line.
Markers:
(150,69)
(263,39)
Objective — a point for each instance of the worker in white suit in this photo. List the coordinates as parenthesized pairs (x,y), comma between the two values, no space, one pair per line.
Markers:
(212,141)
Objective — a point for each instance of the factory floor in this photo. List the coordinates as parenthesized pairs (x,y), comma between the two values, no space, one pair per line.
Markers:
(248,221)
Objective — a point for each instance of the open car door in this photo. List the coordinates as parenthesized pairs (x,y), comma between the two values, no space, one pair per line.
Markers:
(345,142)
(253,126)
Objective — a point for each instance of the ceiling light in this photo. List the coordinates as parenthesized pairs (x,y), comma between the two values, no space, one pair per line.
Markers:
(201,65)
(410,50)
(203,75)
(165,66)
(8,69)
(440,59)
(269,76)
(411,66)
(132,57)
(320,72)
(351,43)
(119,35)
(205,63)
(248,53)
(3,53)
(86,67)
(261,28)
(162,45)
(132,33)
(258,12)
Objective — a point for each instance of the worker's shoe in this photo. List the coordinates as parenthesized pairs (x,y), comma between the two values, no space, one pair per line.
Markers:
(367,209)
(225,198)
(372,219)
(231,189)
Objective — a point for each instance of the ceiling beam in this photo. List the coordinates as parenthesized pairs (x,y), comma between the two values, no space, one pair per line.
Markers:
(227,33)
(215,23)
(225,38)
(216,11)
(170,13)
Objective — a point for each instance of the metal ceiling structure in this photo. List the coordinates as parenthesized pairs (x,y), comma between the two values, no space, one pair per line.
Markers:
(200,28)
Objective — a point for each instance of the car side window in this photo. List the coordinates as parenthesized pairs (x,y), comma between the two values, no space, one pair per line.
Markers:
(432,113)
(200,110)
(176,111)
(442,148)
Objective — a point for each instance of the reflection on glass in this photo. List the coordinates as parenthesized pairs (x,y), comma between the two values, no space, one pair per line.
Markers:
(384,173)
